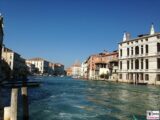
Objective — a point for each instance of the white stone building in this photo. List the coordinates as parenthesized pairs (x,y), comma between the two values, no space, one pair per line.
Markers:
(84,66)
(31,67)
(41,64)
(76,69)
(139,58)
(16,63)
(13,59)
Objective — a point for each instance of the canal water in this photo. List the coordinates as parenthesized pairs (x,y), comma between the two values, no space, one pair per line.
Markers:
(68,99)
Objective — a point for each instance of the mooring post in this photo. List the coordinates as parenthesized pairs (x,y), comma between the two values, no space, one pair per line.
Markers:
(7,113)
(25,103)
(14,99)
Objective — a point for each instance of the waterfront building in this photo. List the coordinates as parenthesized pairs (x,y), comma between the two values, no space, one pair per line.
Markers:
(84,66)
(51,68)
(69,71)
(106,67)
(91,62)
(31,67)
(76,69)
(59,69)
(1,43)
(139,58)
(15,62)
(101,65)
(41,64)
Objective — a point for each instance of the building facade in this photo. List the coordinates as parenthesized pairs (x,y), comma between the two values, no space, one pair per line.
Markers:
(69,71)
(84,66)
(76,70)
(59,69)
(15,62)
(31,68)
(41,64)
(101,65)
(139,58)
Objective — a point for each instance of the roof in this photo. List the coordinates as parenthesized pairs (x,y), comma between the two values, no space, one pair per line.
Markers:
(58,64)
(7,50)
(143,36)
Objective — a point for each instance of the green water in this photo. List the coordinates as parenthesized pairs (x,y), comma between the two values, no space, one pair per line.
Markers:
(68,99)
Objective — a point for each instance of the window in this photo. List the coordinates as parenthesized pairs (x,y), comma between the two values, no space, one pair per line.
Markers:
(141,49)
(158,36)
(158,47)
(158,63)
(121,65)
(120,52)
(127,51)
(147,66)
(131,76)
(127,76)
(127,65)
(136,64)
(158,77)
(131,64)
(131,50)
(141,76)
(120,76)
(146,77)
(141,63)
(146,48)
(137,50)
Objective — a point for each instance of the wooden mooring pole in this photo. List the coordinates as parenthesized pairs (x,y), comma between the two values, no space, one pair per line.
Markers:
(14,100)
(10,113)
(7,113)
(25,103)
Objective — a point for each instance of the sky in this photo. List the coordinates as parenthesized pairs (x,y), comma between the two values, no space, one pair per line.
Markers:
(64,31)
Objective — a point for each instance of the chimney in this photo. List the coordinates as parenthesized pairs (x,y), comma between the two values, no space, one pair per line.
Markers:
(152,31)
(126,36)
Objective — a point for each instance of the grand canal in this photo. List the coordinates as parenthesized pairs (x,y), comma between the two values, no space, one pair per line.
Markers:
(68,99)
